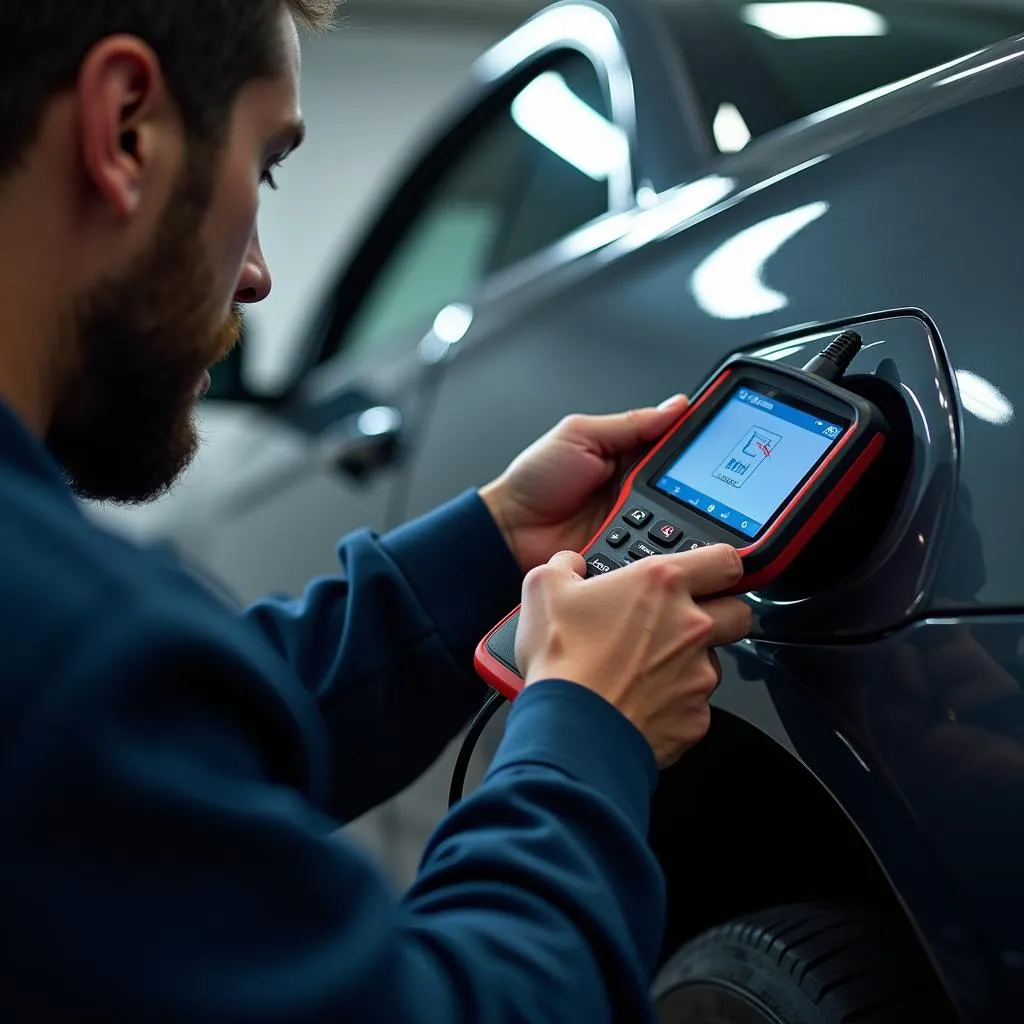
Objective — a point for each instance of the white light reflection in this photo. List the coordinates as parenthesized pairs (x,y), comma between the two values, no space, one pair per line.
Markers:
(592,31)
(729,284)
(675,208)
(984,399)
(779,352)
(981,67)
(452,323)
(730,130)
(450,327)
(920,412)
(378,421)
(814,19)
(646,197)
(549,111)
(884,90)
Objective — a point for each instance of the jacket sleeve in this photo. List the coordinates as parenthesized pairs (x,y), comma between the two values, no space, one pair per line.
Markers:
(386,645)
(167,864)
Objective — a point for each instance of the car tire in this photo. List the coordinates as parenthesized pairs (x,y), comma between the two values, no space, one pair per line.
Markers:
(800,964)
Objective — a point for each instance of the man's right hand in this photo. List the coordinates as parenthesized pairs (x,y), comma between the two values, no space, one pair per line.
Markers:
(637,637)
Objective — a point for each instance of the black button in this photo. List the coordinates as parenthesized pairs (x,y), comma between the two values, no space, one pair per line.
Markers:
(642,550)
(617,537)
(664,533)
(692,544)
(637,516)
(599,563)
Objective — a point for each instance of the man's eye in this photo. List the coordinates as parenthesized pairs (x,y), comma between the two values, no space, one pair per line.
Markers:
(267,178)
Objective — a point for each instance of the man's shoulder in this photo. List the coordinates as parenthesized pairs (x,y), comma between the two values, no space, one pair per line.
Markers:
(58,560)
(67,580)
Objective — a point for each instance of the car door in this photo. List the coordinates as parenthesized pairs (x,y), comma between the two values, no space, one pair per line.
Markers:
(500,187)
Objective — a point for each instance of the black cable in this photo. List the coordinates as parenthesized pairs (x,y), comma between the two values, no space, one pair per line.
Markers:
(833,361)
(476,728)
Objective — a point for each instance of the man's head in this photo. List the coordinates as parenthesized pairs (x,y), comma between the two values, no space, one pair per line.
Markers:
(134,137)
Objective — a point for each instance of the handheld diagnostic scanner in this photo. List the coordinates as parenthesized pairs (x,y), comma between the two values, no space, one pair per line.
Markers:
(760,459)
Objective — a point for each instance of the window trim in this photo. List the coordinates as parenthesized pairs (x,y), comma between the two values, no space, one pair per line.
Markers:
(499,74)
(592,31)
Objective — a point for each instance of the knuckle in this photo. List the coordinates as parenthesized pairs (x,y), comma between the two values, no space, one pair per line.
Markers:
(700,626)
(663,572)
(700,724)
(572,423)
(710,677)
(538,578)
(745,618)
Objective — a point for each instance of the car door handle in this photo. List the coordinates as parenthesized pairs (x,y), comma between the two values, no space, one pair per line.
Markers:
(364,443)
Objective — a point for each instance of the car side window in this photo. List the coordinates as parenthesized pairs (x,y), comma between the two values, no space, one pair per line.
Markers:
(518,184)
(758,65)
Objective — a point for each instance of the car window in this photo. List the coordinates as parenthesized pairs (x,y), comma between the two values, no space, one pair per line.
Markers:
(520,183)
(759,65)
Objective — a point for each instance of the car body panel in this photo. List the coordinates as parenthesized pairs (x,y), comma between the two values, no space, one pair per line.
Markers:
(823,225)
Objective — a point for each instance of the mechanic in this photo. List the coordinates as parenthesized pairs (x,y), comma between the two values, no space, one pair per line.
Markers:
(173,772)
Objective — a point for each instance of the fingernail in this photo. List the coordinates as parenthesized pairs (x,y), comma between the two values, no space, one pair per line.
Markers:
(670,401)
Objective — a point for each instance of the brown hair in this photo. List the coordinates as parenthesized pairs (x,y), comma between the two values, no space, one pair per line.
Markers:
(208,49)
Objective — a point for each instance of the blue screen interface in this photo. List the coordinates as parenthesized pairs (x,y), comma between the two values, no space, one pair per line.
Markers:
(747,461)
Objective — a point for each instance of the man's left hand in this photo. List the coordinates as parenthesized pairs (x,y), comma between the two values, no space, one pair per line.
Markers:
(558,492)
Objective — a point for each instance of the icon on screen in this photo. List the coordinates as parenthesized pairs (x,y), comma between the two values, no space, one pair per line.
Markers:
(724,515)
(744,524)
(743,394)
(711,508)
(818,423)
(831,431)
(675,490)
(753,448)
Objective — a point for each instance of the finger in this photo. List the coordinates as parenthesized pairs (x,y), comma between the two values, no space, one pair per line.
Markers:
(623,432)
(731,618)
(571,562)
(716,664)
(706,571)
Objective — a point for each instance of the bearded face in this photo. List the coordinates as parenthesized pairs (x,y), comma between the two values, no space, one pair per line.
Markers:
(139,344)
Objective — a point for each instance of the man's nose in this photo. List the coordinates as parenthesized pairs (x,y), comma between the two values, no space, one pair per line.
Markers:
(255,283)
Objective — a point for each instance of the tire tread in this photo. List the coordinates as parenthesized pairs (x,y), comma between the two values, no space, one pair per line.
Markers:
(850,965)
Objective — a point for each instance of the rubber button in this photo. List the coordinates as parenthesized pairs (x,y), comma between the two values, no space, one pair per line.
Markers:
(692,544)
(617,537)
(599,563)
(642,550)
(664,533)
(637,516)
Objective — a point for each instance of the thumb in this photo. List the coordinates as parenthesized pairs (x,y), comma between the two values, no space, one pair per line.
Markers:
(624,432)
(570,562)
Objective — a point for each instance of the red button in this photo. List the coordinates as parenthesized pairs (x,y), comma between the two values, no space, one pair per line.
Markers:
(664,533)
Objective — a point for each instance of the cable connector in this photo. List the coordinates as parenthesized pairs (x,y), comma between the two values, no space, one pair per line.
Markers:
(832,362)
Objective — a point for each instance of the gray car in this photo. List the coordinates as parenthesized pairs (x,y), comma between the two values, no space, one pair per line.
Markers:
(623,196)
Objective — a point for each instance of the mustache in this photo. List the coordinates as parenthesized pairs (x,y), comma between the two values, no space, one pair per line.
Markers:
(231,333)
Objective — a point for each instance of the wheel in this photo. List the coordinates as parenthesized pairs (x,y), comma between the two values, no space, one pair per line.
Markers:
(803,964)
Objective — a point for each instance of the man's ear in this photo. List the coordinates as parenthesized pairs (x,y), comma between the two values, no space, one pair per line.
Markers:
(124,114)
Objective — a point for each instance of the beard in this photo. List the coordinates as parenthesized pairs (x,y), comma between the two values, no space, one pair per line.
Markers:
(124,424)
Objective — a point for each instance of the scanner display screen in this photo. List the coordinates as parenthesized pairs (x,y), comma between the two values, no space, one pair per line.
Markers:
(749,458)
